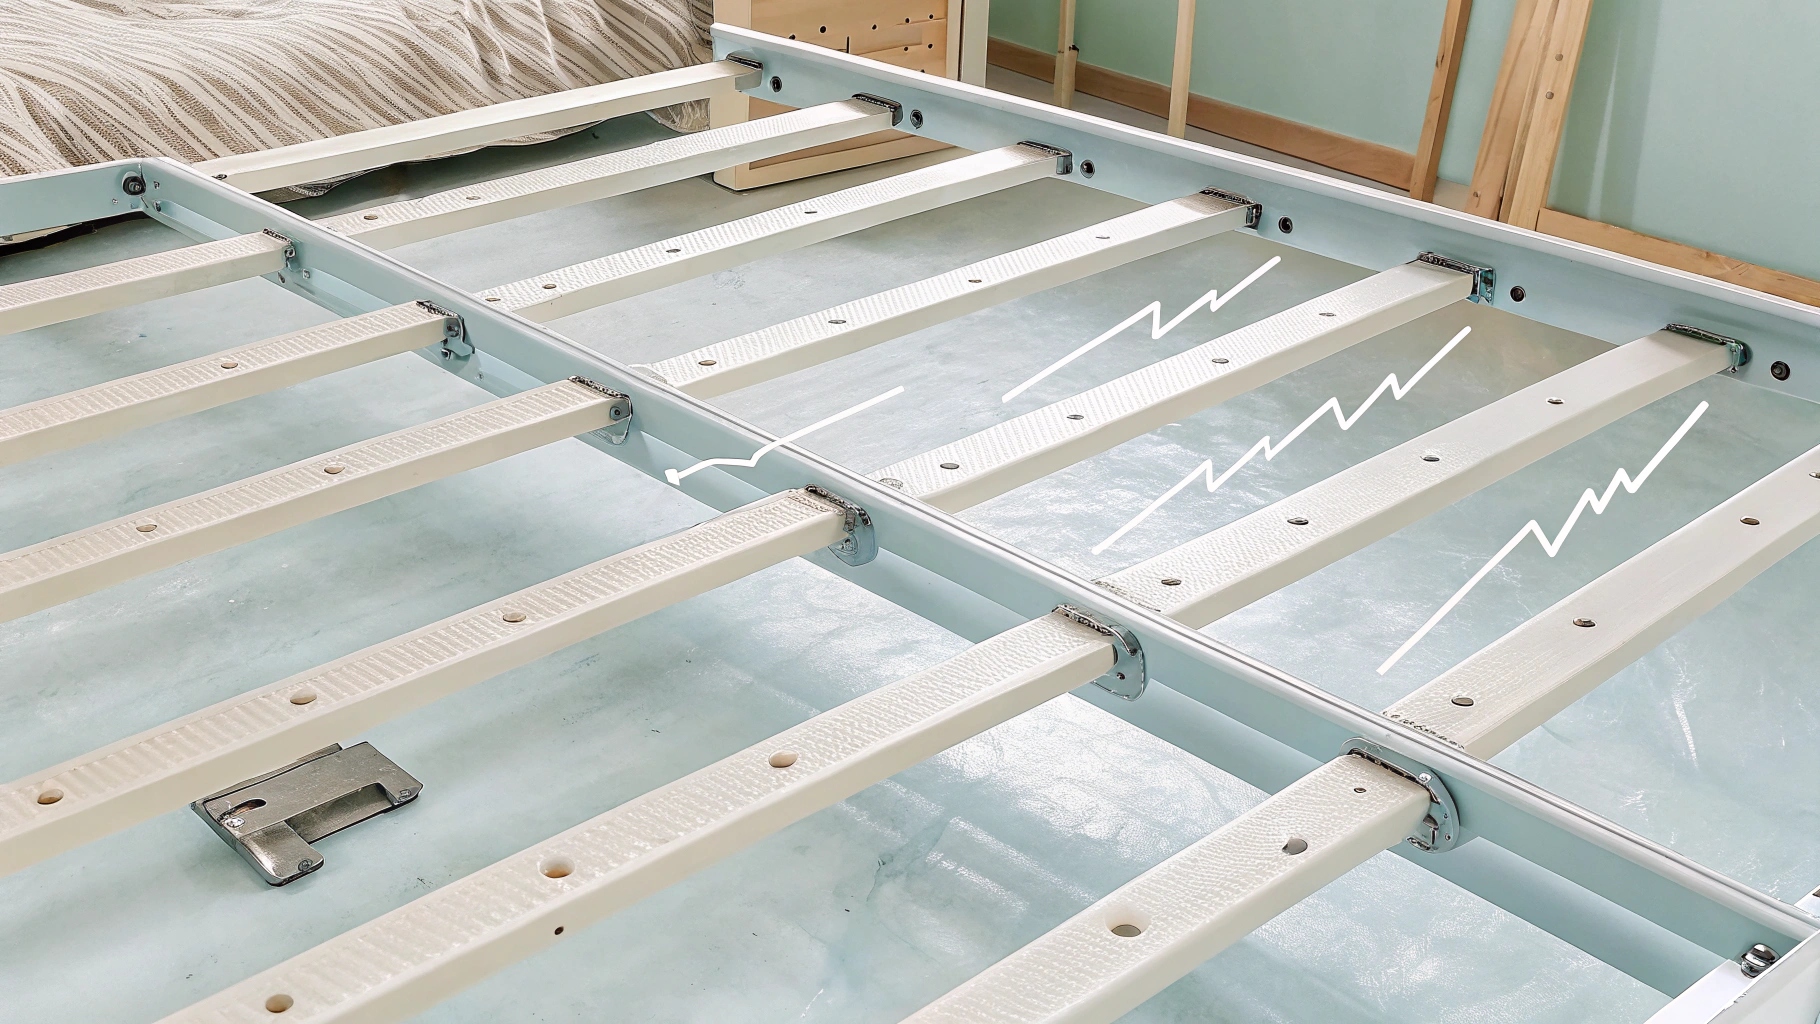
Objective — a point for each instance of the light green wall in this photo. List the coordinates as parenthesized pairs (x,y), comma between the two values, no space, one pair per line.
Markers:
(1696,120)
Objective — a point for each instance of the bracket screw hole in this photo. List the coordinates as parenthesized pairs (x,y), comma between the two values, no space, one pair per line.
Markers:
(1779,370)
(1127,931)
(557,867)
(783,759)
(1295,845)
(1285,225)
(1517,294)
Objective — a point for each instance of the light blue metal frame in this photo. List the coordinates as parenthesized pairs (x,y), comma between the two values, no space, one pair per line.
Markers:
(1634,904)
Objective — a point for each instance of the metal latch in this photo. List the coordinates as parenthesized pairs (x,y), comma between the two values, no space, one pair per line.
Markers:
(1064,159)
(896,108)
(290,247)
(751,79)
(1484,279)
(1439,830)
(861,545)
(455,343)
(1253,216)
(619,413)
(1740,352)
(272,819)
(1128,675)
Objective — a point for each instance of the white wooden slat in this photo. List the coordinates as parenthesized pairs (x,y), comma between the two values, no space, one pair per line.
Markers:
(408,959)
(1264,551)
(90,414)
(1015,452)
(572,289)
(1531,673)
(165,767)
(49,300)
(82,562)
(434,136)
(818,337)
(610,174)
(1130,945)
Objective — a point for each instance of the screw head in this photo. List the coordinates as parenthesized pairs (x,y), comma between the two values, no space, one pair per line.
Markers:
(777,84)
(1463,701)
(133,185)
(1779,370)
(1585,623)
(1517,294)
(1086,168)
(1285,225)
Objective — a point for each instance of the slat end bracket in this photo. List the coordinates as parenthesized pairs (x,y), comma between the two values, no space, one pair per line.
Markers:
(1740,352)
(1484,279)
(619,413)
(1129,675)
(1439,831)
(861,545)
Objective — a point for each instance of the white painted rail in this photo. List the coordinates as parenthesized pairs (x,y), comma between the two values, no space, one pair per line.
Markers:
(163,768)
(412,957)
(1266,550)
(966,472)
(90,414)
(79,563)
(818,337)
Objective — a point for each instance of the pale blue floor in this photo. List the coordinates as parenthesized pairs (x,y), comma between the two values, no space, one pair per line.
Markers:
(870,909)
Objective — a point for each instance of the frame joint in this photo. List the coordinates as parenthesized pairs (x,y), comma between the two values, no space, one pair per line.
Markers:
(1254,213)
(1484,279)
(896,108)
(1440,830)
(1739,351)
(620,412)
(1064,158)
(750,79)
(1129,675)
(455,343)
(861,545)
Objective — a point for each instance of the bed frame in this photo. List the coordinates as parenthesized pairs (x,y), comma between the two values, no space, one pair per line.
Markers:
(1348,781)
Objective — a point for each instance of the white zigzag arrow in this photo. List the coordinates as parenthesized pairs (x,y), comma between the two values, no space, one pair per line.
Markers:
(1269,451)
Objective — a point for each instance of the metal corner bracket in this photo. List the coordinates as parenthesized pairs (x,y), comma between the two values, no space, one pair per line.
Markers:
(1440,830)
(896,108)
(751,79)
(1128,676)
(1740,352)
(290,247)
(1064,158)
(861,545)
(1484,279)
(1254,215)
(455,343)
(619,413)
(272,819)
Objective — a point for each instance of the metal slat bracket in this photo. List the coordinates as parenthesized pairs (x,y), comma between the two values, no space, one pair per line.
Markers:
(1440,830)
(620,412)
(861,545)
(272,819)
(455,344)
(1254,212)
(1064,159)
(896,108)
(1128,675)
(750,79)
(1740,352)
(1484,279)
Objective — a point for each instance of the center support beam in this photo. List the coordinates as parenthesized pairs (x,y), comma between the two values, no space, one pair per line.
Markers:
(67,567)
(1010,454)
(450,938)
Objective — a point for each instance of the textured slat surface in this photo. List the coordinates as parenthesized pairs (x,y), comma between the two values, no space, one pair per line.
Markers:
(1194,904)
(79,417)
(162,768)
(434,136)
(819,337)
(404,961)
(78,563)
(50,300)
(1019,450)
(585,285)
(609,174)
(1542,666)
(1264,552)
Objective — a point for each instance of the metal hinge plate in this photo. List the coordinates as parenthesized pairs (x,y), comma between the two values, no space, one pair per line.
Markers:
(1064,159)
(620,412)
(455,343)
(1440,829)
(272,819)
(1129,675)
(1740,352)
(1484,279)
(861,545)
(1254,215)
(290,247)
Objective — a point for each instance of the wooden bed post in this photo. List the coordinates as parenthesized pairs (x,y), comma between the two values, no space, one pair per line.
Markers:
(1440,100)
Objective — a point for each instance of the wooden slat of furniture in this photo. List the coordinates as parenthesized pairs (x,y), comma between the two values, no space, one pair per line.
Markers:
(1330,149)
(1181,69)
(1504,119)
(1560,61)
(1440,100)
(1066,54)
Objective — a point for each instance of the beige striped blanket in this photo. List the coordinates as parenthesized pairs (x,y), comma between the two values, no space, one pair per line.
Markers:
(82,81)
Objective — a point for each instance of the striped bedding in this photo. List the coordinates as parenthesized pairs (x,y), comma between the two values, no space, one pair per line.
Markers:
(83,81)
